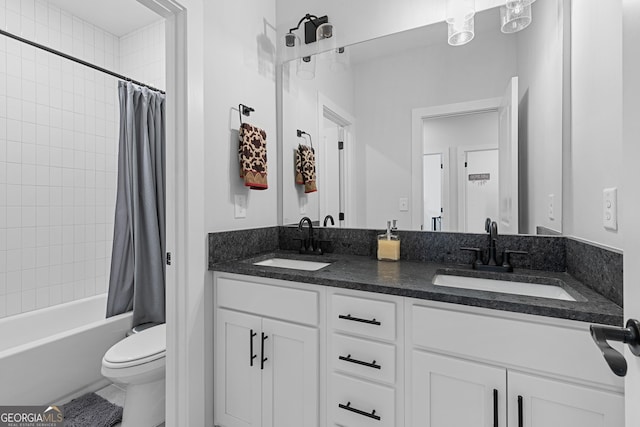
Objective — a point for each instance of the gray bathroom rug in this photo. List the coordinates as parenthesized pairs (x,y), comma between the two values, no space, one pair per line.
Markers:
(91,410)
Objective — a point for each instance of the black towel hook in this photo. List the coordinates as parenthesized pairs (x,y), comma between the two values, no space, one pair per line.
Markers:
(300,134)
(244,110)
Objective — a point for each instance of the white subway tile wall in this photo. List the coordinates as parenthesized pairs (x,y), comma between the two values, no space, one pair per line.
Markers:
(142,55)
(58,152)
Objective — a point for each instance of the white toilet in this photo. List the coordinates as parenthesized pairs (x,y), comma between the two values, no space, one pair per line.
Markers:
(138,362)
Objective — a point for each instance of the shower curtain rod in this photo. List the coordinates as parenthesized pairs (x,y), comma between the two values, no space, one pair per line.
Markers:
(77,60)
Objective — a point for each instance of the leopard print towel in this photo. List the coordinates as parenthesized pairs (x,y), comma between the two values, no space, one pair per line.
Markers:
(252,152)
(306,168)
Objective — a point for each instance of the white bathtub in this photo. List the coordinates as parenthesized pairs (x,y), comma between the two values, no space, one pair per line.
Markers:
(56,352)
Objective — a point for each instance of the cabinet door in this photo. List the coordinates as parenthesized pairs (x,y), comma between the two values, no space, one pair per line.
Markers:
(449,392)
(290,381)
(237,377)
(540,402)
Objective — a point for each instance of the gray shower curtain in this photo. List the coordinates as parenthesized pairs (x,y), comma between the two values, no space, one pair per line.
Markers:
(137,280)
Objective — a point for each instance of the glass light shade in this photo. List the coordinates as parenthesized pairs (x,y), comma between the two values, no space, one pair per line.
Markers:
(461,33)
(326,40)
(515,4)
(339,59)
(324,31)
(306,68)
(514,20)
(292,46)
(460,11)
(291,40)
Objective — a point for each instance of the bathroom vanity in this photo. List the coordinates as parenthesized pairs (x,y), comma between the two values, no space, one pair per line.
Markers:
(367,343)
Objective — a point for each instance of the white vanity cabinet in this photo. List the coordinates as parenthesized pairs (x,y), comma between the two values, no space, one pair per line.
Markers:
(299,355)
(365,359)
(484,368)
(267,354)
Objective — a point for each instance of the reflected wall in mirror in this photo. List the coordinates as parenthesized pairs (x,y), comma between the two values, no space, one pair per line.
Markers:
(409,111)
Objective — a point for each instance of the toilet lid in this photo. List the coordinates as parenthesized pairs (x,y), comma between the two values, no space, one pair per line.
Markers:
(149,344)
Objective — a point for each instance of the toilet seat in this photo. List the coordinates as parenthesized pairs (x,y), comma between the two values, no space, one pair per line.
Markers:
(138,349)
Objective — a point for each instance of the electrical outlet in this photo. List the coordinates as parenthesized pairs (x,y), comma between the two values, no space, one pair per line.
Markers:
(404,204)
(550,212)
(240,206)
(610,208)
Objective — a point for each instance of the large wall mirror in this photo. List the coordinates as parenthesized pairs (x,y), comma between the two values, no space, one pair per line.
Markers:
(438,137)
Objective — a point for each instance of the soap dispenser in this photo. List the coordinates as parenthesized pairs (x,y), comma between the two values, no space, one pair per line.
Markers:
(389,244)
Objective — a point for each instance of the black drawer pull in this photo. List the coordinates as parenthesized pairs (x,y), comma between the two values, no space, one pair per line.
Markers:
(495,407)
(262,358)
(520,414)
(251,355)
(359,362)
(358,411)
(357,319)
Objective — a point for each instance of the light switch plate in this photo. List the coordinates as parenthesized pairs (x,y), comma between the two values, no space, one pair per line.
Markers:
(240,206)
(610,208)
(404,204)
(303,205)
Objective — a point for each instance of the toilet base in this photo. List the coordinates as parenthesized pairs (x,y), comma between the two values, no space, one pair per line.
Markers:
(144,404)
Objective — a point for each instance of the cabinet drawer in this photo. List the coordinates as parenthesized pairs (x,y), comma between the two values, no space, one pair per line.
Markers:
(365,358)
(363,316)
(352,403)
(279,302)
(513,342)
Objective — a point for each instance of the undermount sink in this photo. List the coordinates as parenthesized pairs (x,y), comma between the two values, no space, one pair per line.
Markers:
(294,264)
(504,286)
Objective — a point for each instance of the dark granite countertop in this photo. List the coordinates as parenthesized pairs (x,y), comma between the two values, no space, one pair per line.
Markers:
(413,279)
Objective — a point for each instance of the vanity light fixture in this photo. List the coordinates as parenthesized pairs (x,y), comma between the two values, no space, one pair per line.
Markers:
(314,29)
(460,21)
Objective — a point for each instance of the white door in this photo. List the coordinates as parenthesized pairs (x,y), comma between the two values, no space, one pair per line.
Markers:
(330,173)
(449,392)
(508,146)
(540,402)
(237,394)
(290,382)
(432,187)
(480,182)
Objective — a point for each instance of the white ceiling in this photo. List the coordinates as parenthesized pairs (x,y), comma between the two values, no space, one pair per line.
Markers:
(119,17)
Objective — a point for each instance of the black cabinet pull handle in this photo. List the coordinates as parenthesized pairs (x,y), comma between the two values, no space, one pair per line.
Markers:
(495,407)
(348,358)
(358,411)
(520,414)
(251,355)
(262,358)
(357,319)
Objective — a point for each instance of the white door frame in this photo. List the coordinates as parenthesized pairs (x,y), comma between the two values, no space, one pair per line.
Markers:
(462,181)
(444,183)
(418,116)
(188,394)
(329,109)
